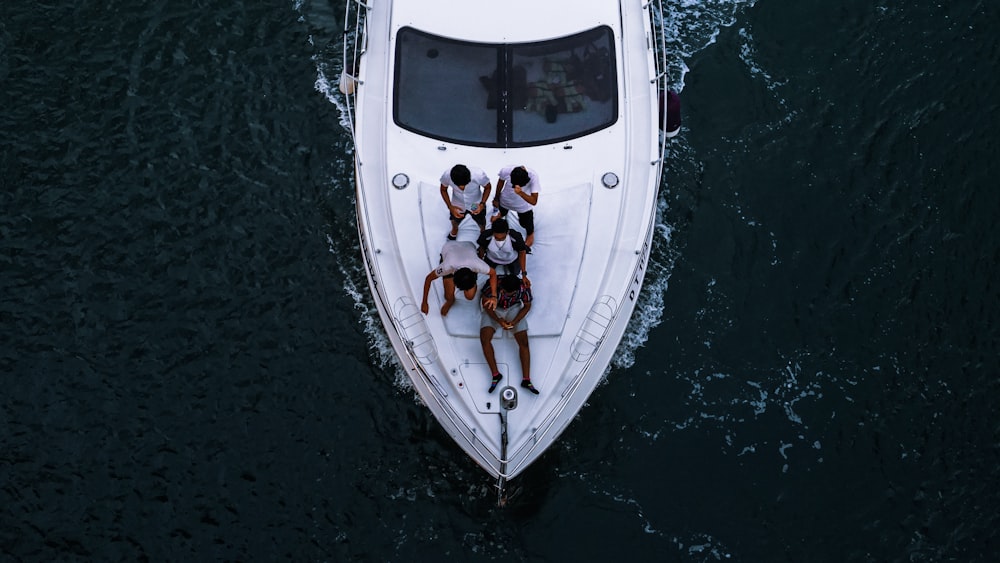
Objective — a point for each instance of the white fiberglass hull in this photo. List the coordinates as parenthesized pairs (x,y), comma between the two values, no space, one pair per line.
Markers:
(592,240)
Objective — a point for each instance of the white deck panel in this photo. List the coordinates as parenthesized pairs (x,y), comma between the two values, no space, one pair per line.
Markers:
(553,265)
(510,21)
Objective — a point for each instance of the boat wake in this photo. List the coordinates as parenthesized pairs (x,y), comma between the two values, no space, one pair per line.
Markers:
(378,343)
(649,310)
(694,26)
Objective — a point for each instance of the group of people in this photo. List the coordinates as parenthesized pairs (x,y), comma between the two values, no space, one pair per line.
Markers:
(505,299)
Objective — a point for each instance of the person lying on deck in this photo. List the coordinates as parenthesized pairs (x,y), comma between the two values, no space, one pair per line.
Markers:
(458,268)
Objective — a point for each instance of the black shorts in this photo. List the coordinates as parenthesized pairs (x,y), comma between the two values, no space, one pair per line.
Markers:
(479,218)
(513,269)
(526,219)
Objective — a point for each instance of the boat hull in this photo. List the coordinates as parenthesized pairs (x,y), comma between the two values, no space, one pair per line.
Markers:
(595,221)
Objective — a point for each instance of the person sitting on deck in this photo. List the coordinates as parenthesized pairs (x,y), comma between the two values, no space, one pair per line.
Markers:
(459,266)
(509,313)
(502,246)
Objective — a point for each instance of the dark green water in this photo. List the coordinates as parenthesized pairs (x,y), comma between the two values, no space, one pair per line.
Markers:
(190,368)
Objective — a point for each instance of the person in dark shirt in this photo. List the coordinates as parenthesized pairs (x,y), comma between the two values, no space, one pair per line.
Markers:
(512,305)
(502,246)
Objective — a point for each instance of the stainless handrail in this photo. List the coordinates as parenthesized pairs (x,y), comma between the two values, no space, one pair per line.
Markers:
(354,40)
(659,29)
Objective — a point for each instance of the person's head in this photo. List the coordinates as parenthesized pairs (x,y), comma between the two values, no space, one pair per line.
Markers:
(465,279)
(500,229)
(519,176)
(510,283)
(460,175)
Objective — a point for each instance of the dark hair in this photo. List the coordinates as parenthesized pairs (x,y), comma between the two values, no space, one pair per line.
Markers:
(460,175)
(519,176)
(510,283)
(500,226)
(465,279)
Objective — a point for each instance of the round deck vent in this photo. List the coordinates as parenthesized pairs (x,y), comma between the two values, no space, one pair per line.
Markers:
(400,181)
(610,180)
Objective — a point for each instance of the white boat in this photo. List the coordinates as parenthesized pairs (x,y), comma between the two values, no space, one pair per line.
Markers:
(431,83)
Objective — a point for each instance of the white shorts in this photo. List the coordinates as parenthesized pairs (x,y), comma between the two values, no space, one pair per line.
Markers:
(507,315)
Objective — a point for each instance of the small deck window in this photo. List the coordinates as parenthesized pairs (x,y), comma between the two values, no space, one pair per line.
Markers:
(505,95)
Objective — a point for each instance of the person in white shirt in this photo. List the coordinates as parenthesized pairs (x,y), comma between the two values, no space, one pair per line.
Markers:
(520,196)
(501,246)
(470,188)
(459,268)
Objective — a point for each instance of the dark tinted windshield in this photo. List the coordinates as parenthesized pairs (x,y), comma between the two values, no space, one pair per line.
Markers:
(505,95)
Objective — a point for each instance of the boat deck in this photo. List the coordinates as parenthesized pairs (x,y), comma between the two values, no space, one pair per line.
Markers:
(554,266)
(589,254)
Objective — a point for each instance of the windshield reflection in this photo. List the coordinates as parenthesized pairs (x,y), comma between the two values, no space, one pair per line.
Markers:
(505,95)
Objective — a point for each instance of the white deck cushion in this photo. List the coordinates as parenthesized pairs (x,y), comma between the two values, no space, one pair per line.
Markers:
(561,217)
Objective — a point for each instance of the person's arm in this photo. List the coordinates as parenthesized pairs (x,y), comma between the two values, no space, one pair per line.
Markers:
(490,303)
(531,198)
(447,201)
(522,258)
(482,241)
(493,316)
(520,314)
(486,196)
(427,289)
(496,198)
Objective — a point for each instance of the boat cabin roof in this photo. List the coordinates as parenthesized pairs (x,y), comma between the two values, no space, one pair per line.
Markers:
(509,21)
